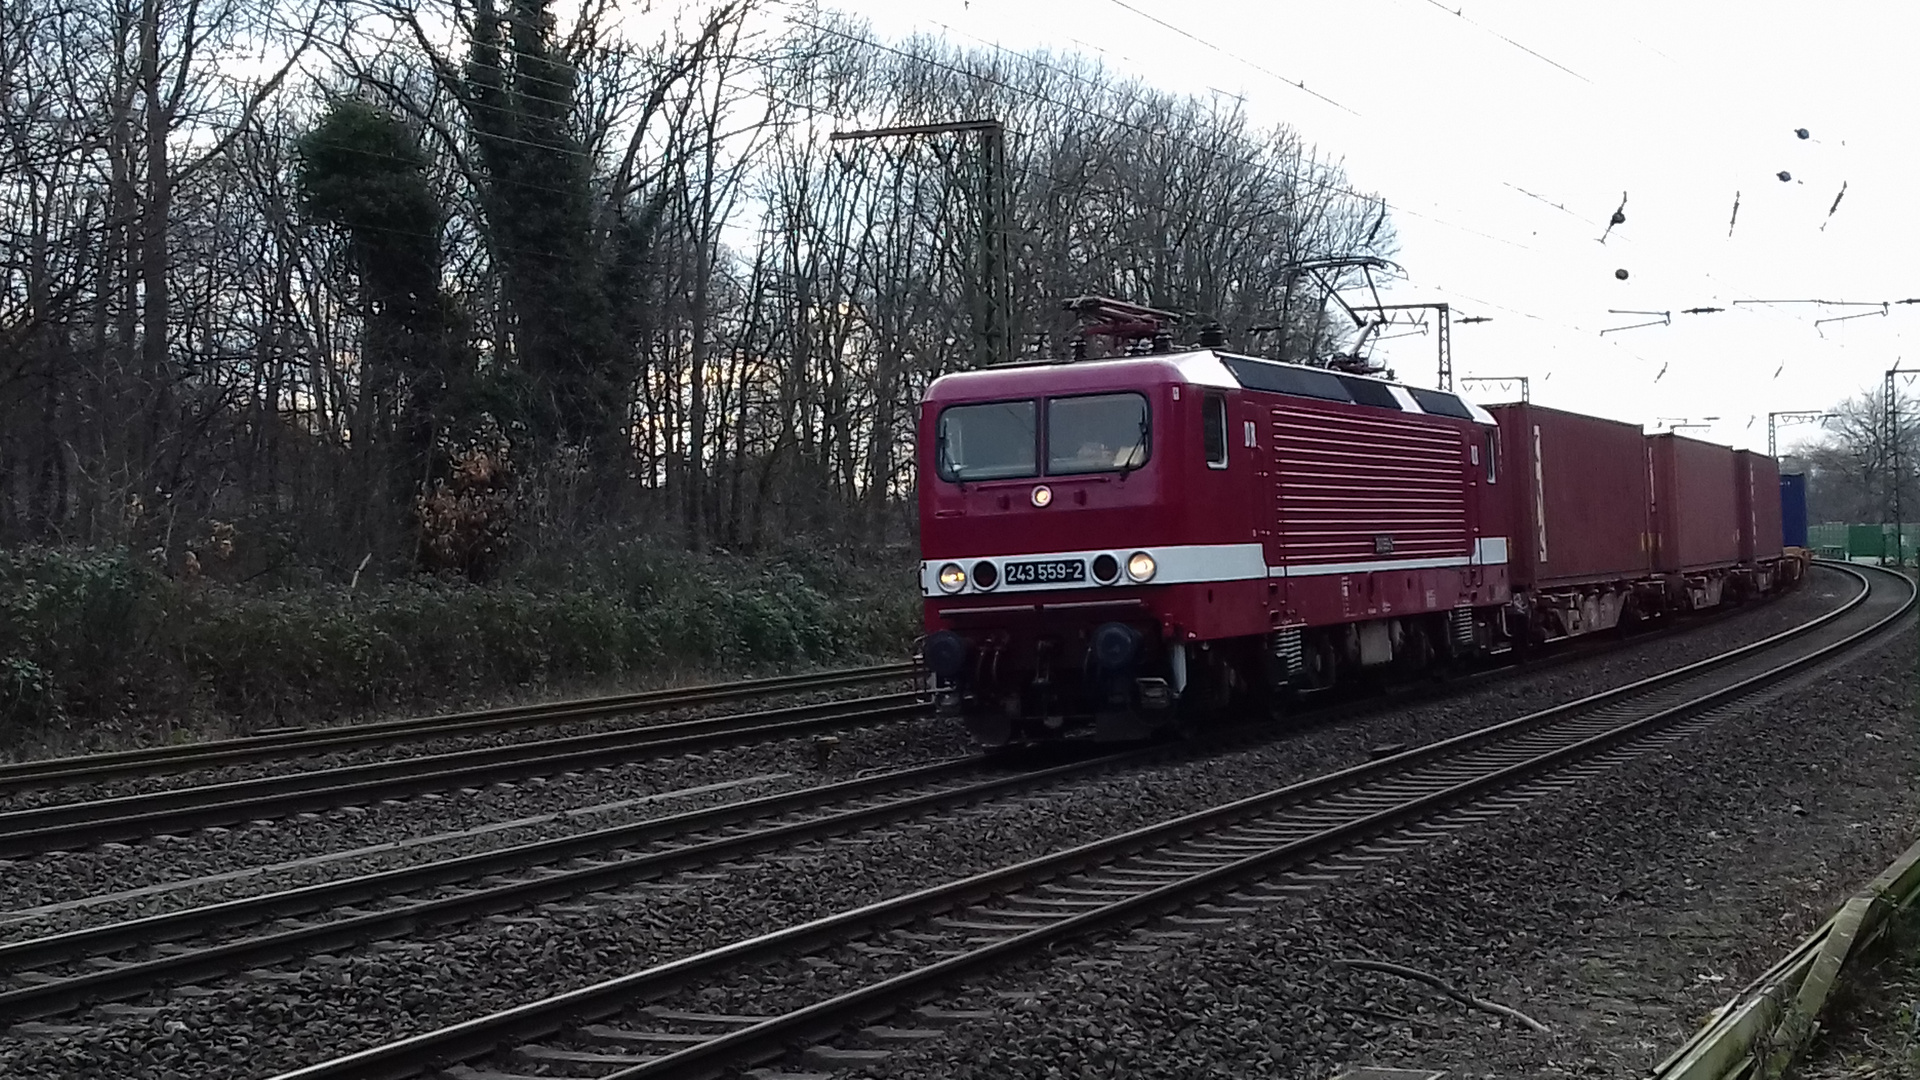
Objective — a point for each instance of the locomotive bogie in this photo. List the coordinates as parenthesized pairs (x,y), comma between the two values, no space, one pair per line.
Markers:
(1039,681)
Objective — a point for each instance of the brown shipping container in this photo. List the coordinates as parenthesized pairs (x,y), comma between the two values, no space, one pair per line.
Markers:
(1579,491)
(1696,512)
(1757,486)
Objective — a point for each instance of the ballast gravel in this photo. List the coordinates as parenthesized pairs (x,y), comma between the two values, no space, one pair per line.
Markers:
(1617,914)
(331,1005)
(63,878)
(206,727)
(57,877)
(29,798)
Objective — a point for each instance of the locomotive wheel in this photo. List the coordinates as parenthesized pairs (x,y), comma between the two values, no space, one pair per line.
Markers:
(1269,703)
(1322,668)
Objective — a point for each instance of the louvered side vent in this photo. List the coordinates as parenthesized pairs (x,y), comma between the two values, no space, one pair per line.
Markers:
(1289,651)
(1460,628)
(1353,488)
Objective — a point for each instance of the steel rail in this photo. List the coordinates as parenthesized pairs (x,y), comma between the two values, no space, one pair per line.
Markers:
(69,825)
(89,768)
(50,996)
(66,826)
(126,980)
(92,768)
(1248,838)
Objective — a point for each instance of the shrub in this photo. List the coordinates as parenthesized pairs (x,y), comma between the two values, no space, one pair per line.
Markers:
(86,636)
(68,624)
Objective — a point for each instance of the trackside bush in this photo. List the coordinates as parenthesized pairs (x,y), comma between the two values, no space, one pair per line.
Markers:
(88,638)
(68,624)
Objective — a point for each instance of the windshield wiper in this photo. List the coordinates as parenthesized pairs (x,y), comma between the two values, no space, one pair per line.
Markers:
(1138,451)
(944,464)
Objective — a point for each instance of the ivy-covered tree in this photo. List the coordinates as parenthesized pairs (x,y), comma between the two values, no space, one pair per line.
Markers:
(536,182)
(362,171)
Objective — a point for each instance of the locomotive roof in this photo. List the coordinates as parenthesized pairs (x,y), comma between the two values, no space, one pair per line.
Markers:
(1204,367)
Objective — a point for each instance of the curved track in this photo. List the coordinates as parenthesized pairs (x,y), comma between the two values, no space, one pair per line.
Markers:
(51,974)
(1293,837)
(64,826)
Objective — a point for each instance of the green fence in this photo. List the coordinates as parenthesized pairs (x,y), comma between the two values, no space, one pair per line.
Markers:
(1841,540)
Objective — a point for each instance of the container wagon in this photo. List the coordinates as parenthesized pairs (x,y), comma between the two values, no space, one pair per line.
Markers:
(1579,512)
(1757,486)
(1793,511)
(1123,546)
(1696,516)
(1763,559)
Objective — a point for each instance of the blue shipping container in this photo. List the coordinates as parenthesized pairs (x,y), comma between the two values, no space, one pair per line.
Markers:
(1793,510)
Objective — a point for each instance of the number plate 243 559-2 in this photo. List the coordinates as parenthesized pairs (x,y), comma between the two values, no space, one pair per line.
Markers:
(1046,572)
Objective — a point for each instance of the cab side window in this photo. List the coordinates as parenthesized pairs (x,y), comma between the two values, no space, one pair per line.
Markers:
(1213,409)
(1493,453)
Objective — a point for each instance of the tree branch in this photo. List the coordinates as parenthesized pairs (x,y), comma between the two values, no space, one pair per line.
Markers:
(1448,989)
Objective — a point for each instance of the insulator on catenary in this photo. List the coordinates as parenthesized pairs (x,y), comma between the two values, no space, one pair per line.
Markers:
(1802,132)
(1784,175)
(1621,274)
(1619,217)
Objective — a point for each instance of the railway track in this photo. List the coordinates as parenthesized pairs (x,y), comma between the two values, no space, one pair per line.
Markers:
(876,961)
(58,972)
(66,826)
(48,975)
(55,973)
(93,768)
(156,760)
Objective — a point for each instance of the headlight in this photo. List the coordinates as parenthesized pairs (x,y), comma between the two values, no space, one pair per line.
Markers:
(952,578)
(1140,566)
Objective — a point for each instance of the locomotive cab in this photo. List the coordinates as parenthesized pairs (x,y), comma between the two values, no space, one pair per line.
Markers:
(1086,540)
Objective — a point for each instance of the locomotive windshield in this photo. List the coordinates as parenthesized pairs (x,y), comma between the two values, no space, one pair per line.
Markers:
(1000,440)
(997,441)
(1102,433)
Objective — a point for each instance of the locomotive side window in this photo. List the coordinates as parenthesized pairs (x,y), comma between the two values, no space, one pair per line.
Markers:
(1368,392)
(1214,410)
(1097,433)
(1493,451)
(1281,379)
(1440,404)
(995,441)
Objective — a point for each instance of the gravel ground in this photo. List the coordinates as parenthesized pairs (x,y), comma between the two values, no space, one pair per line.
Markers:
(1872,1029)
(383,992)
(1618,914)
(55,877)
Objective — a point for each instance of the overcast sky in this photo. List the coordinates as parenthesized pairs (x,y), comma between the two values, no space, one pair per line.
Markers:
(1679,105)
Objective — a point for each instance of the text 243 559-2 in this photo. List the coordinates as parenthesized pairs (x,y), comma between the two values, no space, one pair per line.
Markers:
(1048,572)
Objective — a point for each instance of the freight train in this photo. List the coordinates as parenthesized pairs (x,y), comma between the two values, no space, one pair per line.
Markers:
(1114,548)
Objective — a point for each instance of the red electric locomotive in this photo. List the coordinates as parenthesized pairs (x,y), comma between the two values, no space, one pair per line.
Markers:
(1121,545)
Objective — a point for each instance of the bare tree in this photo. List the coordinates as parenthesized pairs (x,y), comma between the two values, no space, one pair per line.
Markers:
(1848,466)
(682,308)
